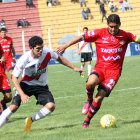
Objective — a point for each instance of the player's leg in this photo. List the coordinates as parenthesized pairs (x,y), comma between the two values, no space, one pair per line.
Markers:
(93,80)
(89,59)
(7,98)
(95,106)
(82,67)
(82,61)
(104,90)
(10,66)
(6,89)
(45,98)
(89,67)
(10,110)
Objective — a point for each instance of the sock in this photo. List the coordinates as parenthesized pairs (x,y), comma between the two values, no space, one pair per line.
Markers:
(5,116)
(82,67)
(89,69)
(89,93)
(93,110)
(41,114)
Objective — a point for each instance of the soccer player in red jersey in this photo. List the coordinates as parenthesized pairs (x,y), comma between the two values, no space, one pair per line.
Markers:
(111,44)
(7,45)
(4,83)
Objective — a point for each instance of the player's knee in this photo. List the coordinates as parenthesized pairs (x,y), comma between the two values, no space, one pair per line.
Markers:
(100,96)
(92,83)
(50,106)
(8,97)
(93,80)
(13,108)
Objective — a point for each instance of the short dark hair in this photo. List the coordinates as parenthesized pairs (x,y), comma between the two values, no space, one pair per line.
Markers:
(35,40)
(85,28)
(3,29)
(114,18)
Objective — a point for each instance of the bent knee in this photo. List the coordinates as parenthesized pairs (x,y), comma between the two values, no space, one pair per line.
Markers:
(8,97)
(13,108)
(50,106)
(93,80)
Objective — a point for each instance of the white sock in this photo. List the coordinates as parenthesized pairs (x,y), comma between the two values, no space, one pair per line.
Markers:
(82,67)
(41,114)
(4,116)
(89,69)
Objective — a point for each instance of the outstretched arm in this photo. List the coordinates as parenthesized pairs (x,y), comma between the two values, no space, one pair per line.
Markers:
(78,51)
(61,49)
(65,62)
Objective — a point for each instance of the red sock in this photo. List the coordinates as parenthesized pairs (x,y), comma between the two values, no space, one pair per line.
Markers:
(89,93)
(93,110)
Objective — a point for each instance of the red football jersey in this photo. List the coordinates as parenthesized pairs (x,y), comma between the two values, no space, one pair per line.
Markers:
(110,49)
(6,45)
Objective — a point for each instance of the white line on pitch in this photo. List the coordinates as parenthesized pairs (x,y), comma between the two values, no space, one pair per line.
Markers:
(84,94)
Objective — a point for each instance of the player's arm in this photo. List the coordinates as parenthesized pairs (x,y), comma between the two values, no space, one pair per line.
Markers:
(65,62)
(24,97)
(13,51)
(61,49)
(16,73)
(2,58)
(78,51)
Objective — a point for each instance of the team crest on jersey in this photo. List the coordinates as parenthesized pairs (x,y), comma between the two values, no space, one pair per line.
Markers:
(122,42)
(91,33)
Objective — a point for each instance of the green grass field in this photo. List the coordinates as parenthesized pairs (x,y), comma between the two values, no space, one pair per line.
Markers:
(65,122)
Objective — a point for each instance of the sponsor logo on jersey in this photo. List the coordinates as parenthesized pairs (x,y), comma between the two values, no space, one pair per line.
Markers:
(5,46)
(116,50)
(122,42)
(111,58)
(39,72)
(105,39)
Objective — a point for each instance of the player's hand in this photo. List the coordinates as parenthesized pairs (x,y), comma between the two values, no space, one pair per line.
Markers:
(79,70)
(2,61)
(78,53)
(60,49)
(24,98)
(92,53)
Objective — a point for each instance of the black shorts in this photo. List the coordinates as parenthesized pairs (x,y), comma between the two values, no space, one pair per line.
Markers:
(41,93)
(86,57)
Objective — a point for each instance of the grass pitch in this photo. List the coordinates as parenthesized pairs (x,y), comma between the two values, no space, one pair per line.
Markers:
(65,123)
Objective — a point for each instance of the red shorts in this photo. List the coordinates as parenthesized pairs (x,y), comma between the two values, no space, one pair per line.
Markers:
(4,84)
(9,64)
(107,78)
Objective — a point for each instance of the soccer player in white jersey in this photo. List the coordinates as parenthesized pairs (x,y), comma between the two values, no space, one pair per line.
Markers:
(86,51)
(34,81)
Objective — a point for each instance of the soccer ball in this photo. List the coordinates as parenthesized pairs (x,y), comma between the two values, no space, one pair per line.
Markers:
(108,121)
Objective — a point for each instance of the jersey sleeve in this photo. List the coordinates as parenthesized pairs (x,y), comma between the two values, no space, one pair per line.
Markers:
(20,65)
(91,36)
(133,38)
(54,55)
